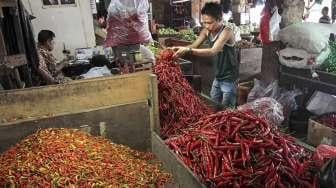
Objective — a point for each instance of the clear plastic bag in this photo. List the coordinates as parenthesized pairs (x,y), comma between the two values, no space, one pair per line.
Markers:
(127,23)
(284,97)
(260,90)
(267,108)
(274,25)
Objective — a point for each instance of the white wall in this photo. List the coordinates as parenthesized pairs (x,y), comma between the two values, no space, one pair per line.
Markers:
(73,26)
(315,13)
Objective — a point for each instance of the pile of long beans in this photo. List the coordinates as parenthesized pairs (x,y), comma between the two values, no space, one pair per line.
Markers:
(71,158)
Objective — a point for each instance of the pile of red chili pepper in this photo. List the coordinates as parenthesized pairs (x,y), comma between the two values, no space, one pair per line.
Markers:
(179,105)
(238,149)
(328,120)
(71,158)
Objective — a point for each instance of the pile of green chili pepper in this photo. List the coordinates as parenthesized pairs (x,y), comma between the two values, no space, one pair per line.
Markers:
(72,158)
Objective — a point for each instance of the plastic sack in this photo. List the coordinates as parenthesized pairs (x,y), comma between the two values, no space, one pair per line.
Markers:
(327,177)
(295,58)
(97,72)
(261,90)
(127,23)
(312,37)
(267,108)
(321,103)
(323,153)
(301,59)
(284,97)
(265,27)
(274,25)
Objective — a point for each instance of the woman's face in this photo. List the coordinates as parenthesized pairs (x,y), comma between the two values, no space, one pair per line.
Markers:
(210,23)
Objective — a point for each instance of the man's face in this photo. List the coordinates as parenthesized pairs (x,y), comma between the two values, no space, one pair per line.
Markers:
(210,23)
(325,13)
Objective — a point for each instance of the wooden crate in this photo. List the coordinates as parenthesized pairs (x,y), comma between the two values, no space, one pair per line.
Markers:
(122,106)
(123,109)
(320,134)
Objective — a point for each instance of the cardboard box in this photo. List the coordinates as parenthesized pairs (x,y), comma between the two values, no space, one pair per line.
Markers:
(320,134)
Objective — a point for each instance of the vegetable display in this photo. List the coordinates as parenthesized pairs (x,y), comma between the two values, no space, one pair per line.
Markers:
(71,158)
(330,64)
(167,32)
(328,120)
(238,149)
(231,148)
(179,105)
(185,34)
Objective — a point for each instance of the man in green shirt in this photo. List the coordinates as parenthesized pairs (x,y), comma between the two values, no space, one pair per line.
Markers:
(222,40)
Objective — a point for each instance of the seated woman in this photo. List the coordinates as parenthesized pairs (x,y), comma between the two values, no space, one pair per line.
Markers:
(48,67)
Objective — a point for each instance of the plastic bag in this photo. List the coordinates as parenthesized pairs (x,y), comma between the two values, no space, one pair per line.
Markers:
(312,37)
(301,59)
(295,58)
(97,72)
(274,25)
(327,176)
(267,108)
(265,27)
(284,97)
(127,23)
(321,103)
(323,153)
(260,90)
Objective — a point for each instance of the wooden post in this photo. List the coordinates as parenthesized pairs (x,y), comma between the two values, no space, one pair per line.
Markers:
(292,13)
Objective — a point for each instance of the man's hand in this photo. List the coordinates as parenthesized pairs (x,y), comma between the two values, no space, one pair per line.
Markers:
(180,51)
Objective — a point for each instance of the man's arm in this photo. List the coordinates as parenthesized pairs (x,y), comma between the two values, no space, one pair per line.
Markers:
(200,39)
(43,71)
(61,65)
(225,36)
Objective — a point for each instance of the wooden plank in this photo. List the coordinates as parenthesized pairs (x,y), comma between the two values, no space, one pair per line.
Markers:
(154,104)
(183,176)
(320,134)
(74,96)
(123,124)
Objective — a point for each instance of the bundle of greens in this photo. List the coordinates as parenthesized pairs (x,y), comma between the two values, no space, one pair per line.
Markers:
(330,64)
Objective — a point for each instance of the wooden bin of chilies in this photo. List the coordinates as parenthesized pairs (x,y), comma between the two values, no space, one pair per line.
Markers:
(121,108)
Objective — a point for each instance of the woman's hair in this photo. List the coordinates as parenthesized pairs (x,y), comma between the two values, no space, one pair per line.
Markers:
(213,9)
(45,35)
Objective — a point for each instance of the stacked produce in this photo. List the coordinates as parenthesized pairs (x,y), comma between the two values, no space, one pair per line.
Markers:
(330,64)
(153,47)
(230,148)
(167,32)
(328,120)
(238,149)
(179,104)
(71,158)
(187,34)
